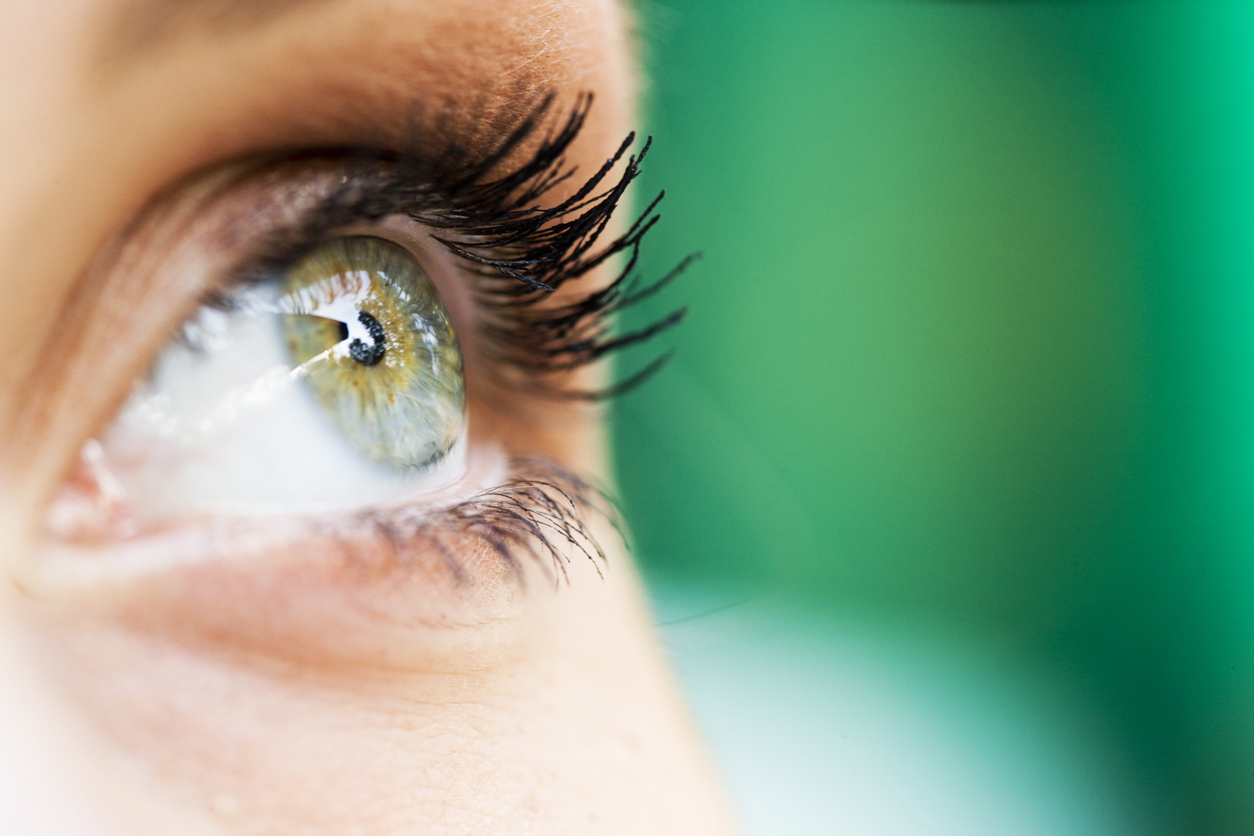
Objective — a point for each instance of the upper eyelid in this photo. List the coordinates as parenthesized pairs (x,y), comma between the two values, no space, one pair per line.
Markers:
(363,70)
(516,249)
(439,183)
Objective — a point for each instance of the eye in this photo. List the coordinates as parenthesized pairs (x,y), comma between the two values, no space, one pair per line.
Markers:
(336,381)
(320,377)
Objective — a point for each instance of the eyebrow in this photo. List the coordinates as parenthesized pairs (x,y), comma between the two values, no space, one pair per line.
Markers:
(141,26)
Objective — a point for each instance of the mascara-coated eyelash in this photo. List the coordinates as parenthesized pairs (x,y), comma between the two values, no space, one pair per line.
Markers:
(519,252)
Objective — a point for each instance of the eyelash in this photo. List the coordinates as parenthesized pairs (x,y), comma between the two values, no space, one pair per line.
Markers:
(519,253)
(540,508)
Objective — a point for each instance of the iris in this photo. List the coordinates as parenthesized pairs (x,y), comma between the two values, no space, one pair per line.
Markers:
(377,348)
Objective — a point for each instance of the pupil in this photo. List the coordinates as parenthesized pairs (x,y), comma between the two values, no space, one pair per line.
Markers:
(343,331)
(367,355)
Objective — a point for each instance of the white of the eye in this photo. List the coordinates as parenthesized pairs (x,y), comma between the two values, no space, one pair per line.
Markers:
(225,425)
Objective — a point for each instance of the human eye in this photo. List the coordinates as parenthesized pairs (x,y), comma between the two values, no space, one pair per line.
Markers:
(356,362)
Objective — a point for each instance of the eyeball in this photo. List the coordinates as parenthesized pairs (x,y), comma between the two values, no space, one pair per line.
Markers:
(339,383)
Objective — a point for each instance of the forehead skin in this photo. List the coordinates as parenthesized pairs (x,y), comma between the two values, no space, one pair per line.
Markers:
(99,123)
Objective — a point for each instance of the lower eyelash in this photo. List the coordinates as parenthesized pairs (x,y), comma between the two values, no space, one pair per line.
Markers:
(541,515)
(527,520)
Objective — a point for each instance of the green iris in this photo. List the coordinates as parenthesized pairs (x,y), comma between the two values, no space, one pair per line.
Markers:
(376,346)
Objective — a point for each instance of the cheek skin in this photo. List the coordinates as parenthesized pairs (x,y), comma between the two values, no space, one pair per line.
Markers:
(559,722)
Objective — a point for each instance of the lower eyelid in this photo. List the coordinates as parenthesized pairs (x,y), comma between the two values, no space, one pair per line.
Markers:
(408,588)
(312,603)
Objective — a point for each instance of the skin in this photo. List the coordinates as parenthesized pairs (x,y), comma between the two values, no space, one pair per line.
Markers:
(275,687)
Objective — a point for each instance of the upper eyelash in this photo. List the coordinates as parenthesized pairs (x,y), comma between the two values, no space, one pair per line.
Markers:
(519,252)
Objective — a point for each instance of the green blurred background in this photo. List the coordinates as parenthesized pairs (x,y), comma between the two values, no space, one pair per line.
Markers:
(970,356)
